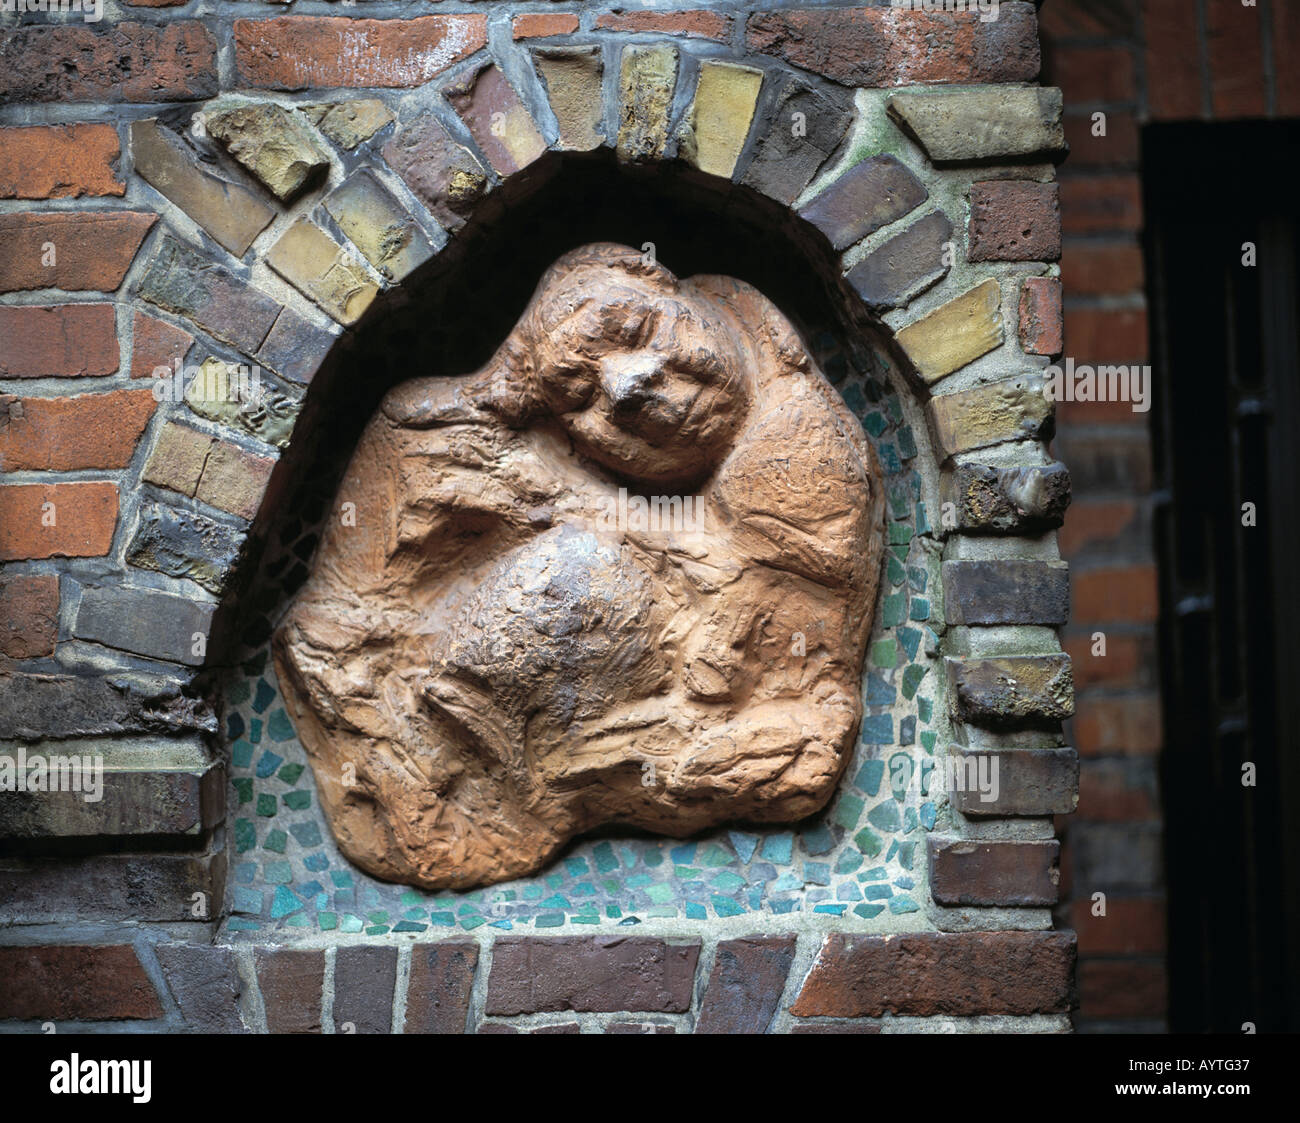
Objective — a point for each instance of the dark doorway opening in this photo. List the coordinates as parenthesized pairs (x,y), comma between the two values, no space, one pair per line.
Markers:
(1226,434)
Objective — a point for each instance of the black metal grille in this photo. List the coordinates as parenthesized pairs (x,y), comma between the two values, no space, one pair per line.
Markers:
(1226,429)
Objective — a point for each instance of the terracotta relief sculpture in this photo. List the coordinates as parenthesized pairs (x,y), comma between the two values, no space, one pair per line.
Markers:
(623,574)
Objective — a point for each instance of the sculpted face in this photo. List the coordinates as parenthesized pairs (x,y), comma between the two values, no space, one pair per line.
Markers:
(481,666)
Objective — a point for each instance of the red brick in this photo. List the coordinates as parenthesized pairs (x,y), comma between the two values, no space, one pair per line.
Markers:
(1125,656)
(1128,594)
(694,24)
(1092,74)
(1072,414)
(1131,926)
(1173,60)
(65,434)
(953,973)
(91,250)
(1118,148)
(75,983)
(1086,19)
(301,52)
(1090,522)
(1014,220)
(1130,725)
(59,162)
(1236,61)
(291,982)
(1088,269)
(893,47)
(979,872)
(1040,316)
(538,25)
(1106,335)
(1121,988)
(117,62)
(1110,793)
(64,341)
(1286,48)
(1098,204)
(84,517)
(29,615)
(156,343)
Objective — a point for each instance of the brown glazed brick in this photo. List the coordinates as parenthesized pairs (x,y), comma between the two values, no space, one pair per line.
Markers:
(59,162)
(291,983)
(691,25)
(234,480)
(1101,204)
(65,434)
(500,124)
(953,973)
(118,62)
(1040,316)
(1029,782)
(1015,220)
(974,872)
(1129,725)
(302,52)
(29,615)
(364,981)
(156,343)
(90,250)
(878,47)
(74,982)
(1116,148)
(438,994)
(63,341)
(83,516)
(1089,269)
(745,985)
(1236,61)
(538,25)
(1131,926)
(871,194)
(1120,593)
(591,975)
(1006,591)
(1123,988)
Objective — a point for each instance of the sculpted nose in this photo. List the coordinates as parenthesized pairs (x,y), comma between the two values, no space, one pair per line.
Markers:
(629,379)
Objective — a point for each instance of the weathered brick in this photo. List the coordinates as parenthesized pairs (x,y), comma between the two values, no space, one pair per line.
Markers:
(75,982)
(302,52)
(982,124)
(378,225)
(1012,690)
(65,434)
(598,974)
(1033,782)
(180,280)
(72,250)
(348,123)
(955,333)
(647,80)
(499,122)
(29,615)
(806,127)
(145,622)
(977,872)
(64,341)
(295,347)
(871,194)
(272,143)
(690,25)
(364,981)
(320,268)
(230,212)
(1008,500)
(205,984)
(539,25)
(745,985)
(251,401)
(890,47)
(184,544)
(178,458)
(234,480)
(155,343)
(1040,316)
(904,266)
(72,520)
(38,706)
(953,973)
(574,77)
(438,994)
(1010,410)
(291,982)
(718,120)
(446,177)
(1015,220)
(59,162)
(1006,591)
(175,61)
